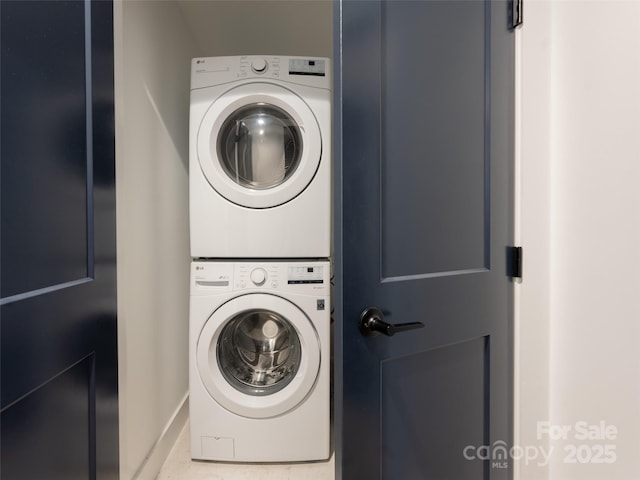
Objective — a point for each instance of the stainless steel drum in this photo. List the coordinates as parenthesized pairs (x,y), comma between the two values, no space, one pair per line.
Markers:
(258,352)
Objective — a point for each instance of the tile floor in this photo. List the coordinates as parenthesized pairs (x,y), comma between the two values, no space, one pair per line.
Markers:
(179,466)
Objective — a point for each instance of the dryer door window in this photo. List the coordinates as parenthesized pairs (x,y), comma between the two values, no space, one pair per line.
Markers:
(259,352)
(259,146)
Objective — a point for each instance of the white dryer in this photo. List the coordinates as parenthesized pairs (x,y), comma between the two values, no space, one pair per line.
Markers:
(259,361)
(259,160)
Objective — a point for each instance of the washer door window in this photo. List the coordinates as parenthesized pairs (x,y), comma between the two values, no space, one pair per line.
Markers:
(258,355)
(259,145)
(259,352)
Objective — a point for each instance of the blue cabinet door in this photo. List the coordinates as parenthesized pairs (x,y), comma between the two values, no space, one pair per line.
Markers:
(58,345)
(424,130)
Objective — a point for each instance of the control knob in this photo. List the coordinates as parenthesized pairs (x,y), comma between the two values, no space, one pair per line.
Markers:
(259,65)
(258,276)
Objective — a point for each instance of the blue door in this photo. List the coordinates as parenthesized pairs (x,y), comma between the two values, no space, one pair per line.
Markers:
(424,128)
(59,415)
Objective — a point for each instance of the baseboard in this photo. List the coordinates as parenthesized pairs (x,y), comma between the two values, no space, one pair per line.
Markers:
(160,451)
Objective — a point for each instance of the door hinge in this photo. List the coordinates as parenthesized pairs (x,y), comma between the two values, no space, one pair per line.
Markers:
(516,13)
(514,262)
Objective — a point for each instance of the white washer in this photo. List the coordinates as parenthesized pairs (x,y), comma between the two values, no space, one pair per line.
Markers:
(259,361)
(259,157)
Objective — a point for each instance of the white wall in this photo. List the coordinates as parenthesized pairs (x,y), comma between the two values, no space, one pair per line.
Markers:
(588,114)
(153,52)
(155,41)
(274,27)
(595,193)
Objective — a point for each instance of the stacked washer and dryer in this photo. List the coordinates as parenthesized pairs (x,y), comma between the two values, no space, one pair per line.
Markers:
(260,224)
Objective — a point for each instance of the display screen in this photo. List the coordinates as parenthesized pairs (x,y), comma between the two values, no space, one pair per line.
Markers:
(297,275)
(307,67)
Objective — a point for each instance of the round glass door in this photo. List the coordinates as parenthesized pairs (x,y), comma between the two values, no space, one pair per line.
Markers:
(258,352)
(259,145)
(258,355)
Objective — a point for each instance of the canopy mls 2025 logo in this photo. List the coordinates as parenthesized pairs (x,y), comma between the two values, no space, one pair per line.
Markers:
(578,443)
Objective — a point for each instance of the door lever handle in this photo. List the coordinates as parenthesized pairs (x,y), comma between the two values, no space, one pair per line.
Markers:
(372,322)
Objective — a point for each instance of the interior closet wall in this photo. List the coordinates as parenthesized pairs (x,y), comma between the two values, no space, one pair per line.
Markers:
(273,27)
(152,109)
(155,41)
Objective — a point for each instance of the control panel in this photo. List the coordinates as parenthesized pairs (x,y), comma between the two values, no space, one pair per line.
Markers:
(211,277)
(210,71)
